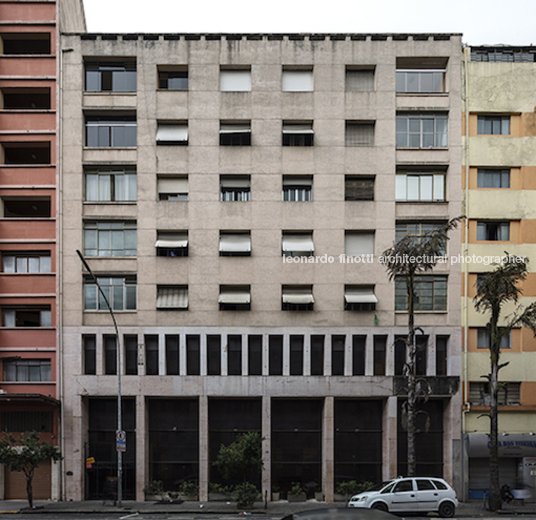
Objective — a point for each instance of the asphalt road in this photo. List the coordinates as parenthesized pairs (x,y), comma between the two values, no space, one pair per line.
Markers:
(175,516)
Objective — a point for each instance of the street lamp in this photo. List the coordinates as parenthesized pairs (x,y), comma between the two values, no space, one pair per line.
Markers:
(119,414)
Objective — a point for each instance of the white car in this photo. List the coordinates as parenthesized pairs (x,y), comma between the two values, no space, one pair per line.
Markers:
(409,495)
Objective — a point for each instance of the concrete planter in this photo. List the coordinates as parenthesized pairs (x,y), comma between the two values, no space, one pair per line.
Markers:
(319,496)
(302,497)
(339,498)
(276,497)
(189,498)
(220,497)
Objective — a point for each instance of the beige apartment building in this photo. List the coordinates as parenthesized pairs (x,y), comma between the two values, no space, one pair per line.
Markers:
(500,198)
(233,194)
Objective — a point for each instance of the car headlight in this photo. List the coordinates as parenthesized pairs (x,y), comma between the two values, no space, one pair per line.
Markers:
(362,499)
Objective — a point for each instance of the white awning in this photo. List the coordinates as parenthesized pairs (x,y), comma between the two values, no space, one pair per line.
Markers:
(235,243)
(235,181)
(172,298)
(172,240)
(360,295)
(171,133)
(233,297)
(297,129)
(298,295)
(298,243)
(172,185)
(235,129)
(235,80)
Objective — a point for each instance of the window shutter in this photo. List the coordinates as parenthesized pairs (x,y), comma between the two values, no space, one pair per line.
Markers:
(235,80)
(358,188)
(359,80)
(359,134)
(297,80)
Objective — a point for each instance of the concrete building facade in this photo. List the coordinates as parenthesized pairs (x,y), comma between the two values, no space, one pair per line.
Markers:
(233,195)
(499,168)
(29,225)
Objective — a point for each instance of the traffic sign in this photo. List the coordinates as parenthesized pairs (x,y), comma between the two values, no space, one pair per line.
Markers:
(120,435)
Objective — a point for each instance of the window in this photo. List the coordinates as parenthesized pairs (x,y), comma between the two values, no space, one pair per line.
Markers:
(493,125)
(296,355)
(90,354)
(297,188)
(27,421)
(111,76)
(337,355)
(120,292)
(175,134)
(235,243)
(24,262)
(110,238)
(419,231)
(234,355)
(172,354)
(420,187)
(173,78)
(25,43)
(380,346)
(29,98)
(358,188)
(494,231)
(235,80)
(298,134)
(298,244)
(193,359)
(359,134)
(131,355)
(235,133)
(421,355)
(235,298)
(317,355)
(275,355)
(358,355)
(110,132)
(110,355)
(359,298)
(151,355)
(297,298)
(172,243)
(235,188)
(508,395)
(26,317)
(428,81)
(502,55)
(214,355)
(255,355)
(173,189)
(430,293)
(358,243)
(297,80)
(441,355)
(484,339)
(488,178)
(111,185)
(359,80)
(33,370)
(26,207)
(421,131)
(172,297)
(26,153)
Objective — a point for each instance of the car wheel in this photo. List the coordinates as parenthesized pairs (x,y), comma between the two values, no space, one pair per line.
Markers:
(447,509)
(380,506)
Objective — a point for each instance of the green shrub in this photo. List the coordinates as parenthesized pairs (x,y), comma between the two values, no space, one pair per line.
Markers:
(351,487)
(190,489)
(156,487)
(246,493)
(296,489)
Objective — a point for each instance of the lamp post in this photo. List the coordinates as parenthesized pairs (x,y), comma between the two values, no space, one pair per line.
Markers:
(119,409)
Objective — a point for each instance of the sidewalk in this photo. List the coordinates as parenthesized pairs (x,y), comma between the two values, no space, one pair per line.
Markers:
(274,509)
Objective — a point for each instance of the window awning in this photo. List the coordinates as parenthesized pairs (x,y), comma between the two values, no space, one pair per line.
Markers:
(298,243)
(172,185)
(234,297)
(235,129)
(298,295)
(172,240)
(235,243)
(297,129)
(297,180)
(360,295)
(172,133)
(172,298)
(235,181)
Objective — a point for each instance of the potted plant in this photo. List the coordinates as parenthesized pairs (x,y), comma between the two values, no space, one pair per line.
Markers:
(276,493)
(218,491)
(348,488)
(246,494)
(296,494)
(154,491)
(189,491)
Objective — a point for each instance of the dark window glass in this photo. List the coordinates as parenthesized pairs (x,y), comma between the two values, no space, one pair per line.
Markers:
(358,355)
(105,132)
(423,484)
(15,422)
(114,77)
(358,188)
(441,355)
(26,43)
(214,355)
(493,178)
(90,355)
(26,98)
(317,355)
(172,354)
(131,355)
(110,355)
(296,355)
(255,355)
(380,343)
(493,125)
(27,153)
(151,355)
(234,355)
(173,79)
(421,344)
(192,355)
(275,348)
(400,356)
(337,355)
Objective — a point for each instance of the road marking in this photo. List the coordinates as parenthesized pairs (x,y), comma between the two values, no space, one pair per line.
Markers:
(128,516)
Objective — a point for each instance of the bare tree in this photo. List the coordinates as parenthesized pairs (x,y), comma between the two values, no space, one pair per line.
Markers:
(494,290)
(405,260)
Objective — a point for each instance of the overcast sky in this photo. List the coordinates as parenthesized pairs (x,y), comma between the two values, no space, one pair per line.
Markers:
(481,21)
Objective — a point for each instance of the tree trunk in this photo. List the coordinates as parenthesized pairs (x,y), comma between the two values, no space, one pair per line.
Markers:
(412,383)
(29,490)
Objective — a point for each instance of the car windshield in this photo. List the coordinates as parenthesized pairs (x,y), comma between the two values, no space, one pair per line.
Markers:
(377,487)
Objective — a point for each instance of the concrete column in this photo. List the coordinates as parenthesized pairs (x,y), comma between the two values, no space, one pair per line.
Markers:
(390,355)
(307,355)
(369,355)
(328,449)
(99,354)
(265,355)
(55,480)
(142,355)
(327,355)
(266,434)
(182,354)
(203,449)
(390,412)
(348,355)
(162,354)
(224,354)
(286,355)
(245,355)
(431,356)
(203,355)
(142,447)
